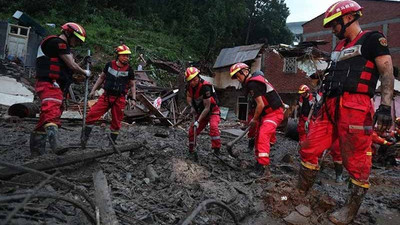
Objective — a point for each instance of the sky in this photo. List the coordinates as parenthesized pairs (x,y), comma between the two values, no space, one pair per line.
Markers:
(305,10)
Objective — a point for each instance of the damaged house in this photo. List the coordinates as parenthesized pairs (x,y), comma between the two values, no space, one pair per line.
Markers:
(285,67)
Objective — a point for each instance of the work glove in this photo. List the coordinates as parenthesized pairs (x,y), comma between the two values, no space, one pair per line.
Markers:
(306,126)
(87,73)
(388,143)
(196,124)
(383,118)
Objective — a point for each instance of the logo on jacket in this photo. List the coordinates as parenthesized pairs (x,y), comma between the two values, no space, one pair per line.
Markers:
(383,41)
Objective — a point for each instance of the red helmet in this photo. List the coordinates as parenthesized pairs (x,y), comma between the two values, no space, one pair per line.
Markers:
(397,121)
(191,72)
(75,29)
(236,68)
(339,9)
(123,50)
(303,88)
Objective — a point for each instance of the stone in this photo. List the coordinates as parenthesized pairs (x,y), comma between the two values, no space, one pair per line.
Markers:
(296,218)
(303,210)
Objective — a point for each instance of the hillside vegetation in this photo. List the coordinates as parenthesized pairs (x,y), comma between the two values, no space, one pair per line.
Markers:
(175,30)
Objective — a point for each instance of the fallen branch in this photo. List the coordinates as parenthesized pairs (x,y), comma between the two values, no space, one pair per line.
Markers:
(103,199)
(204,204)
(27,198)
(61,161)
(53,196)
(59,180)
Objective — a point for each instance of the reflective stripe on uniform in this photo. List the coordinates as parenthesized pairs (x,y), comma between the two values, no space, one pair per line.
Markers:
(263,154)
(215,137)
(359,183)
(310,166)
(50,124)
(359,127)
(270,121)
(51,99)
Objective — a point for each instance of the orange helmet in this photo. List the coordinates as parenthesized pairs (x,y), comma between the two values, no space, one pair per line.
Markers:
(75,29)
(123,50)
(397,121)
(236,68)
(191,72)
(339,9)
(303,88)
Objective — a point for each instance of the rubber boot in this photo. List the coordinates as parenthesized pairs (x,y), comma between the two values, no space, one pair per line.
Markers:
(339,172)
(37,143)
(86,135)
(193,155)
(251,144)
(306,179)
(217,151)
(261,172)
(113,138)
(348,212)
(52,134)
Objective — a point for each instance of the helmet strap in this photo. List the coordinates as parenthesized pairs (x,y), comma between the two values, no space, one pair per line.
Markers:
(345,26)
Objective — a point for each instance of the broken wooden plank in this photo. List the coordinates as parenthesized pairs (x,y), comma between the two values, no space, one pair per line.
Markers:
(142,98)
(60,161)
(103,199)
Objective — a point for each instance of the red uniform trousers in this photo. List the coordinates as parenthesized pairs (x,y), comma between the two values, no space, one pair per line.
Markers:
(266,129)
(106,102)
(253,130)
(335,152)
(51,98)
(214,120)
(353,129)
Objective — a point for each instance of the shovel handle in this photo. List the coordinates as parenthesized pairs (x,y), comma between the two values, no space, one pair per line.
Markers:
(86,96)
(230,144)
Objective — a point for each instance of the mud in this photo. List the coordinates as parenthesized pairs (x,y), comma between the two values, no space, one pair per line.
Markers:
(183,184)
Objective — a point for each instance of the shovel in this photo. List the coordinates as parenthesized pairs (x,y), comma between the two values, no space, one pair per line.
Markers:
(85,100)
(229,146)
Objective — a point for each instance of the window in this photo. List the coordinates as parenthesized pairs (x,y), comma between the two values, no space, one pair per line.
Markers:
(242,108)
(290,65)
(14,29)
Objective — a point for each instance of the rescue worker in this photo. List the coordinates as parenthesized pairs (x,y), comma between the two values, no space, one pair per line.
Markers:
(267,116)
(309,100)
(306,102)
(251,135)
(117,77)
(202,99)
(358,60)
(55,66)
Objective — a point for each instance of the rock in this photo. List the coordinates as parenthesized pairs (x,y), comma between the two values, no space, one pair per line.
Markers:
(303,210)
(287,159)
(128,177)
(326,203)
(296,218)
(146,180)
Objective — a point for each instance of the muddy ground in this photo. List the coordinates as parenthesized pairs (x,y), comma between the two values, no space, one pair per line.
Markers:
(183,184)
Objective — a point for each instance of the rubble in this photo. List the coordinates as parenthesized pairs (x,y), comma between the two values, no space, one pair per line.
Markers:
(151,180)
